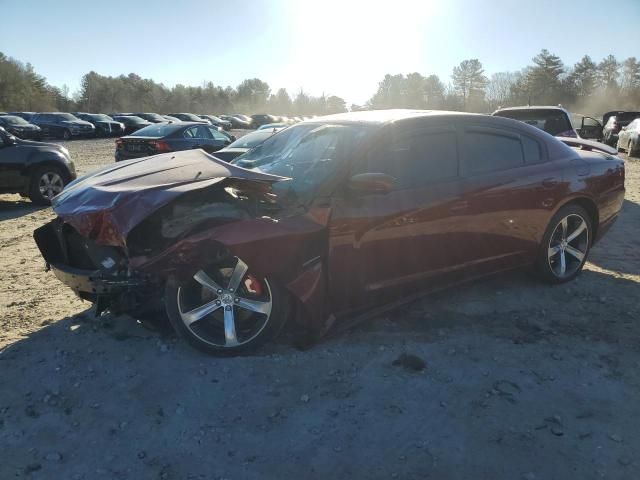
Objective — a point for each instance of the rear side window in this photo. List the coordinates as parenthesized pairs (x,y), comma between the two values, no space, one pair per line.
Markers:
(416,158)
(486,151)
(531,150)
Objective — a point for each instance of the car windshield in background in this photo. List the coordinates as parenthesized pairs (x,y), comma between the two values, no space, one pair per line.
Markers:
(99,117)
(156,130)
(155,117)
(13,120)
(66,116)
(308,154)
(551,121)
(132,119)
(250,140)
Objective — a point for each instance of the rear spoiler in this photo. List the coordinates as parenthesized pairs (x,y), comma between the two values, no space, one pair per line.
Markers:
(588,145)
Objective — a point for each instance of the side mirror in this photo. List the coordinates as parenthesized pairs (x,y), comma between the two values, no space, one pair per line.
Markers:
(371,183)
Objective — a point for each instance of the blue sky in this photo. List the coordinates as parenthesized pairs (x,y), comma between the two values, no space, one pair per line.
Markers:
(341,47)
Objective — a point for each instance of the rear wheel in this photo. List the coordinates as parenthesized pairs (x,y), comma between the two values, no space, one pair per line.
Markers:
(225,309)
(565,245)
(46,183)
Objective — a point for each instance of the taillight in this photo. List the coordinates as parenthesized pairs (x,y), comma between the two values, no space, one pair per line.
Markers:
(159,146)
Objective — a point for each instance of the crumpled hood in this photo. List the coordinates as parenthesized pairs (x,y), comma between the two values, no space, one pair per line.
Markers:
(108,203)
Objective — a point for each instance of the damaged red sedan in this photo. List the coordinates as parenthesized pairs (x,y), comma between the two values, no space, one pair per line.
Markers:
(329,219)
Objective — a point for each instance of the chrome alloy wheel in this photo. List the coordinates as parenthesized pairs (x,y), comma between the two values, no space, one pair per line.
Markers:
(568,246)
(50,184)
(225,306)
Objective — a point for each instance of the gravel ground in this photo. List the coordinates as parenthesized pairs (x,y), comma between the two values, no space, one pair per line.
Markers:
(513,380)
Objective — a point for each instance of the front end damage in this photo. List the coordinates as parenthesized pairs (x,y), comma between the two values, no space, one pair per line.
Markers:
(121,265)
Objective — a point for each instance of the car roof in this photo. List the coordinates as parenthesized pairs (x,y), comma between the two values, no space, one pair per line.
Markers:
(533,107)
(384,116)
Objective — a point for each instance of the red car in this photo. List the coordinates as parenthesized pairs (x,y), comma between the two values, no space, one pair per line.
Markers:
(328,219)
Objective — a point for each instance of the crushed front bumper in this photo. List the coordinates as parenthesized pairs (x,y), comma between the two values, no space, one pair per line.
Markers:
(95,273)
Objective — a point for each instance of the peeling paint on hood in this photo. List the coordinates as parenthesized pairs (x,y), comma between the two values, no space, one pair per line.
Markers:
(107,204)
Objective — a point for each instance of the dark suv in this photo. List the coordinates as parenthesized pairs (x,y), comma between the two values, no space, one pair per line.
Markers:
(62,125)
(104,124)
(33,169)
(613,123)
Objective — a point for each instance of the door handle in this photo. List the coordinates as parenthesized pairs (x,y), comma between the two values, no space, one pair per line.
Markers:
(549,182)
(459,206)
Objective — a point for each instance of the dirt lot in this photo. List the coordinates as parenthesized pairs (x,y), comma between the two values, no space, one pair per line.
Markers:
(522,381)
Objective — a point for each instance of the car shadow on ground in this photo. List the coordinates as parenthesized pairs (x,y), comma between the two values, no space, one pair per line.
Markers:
(10,209)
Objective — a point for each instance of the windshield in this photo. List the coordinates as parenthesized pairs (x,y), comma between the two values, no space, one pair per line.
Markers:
(152,116)
(250,140)
(13,120)
(99,117)
(551,121)
(156,130)
(66,116)
(308,154)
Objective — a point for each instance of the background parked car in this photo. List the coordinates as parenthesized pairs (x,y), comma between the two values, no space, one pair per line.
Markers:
(151,117)
(628,138)
(613,123)
(553,120)
(217,121)
(62,125)
(236,122)
(170,137)
(33,169)
(19,127)
(244,144)
(171,119)
(261,119)
(105,125)
(131,123)
(26,115)
(190,117)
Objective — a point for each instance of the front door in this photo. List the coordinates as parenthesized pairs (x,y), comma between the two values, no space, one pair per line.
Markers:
(384,245)
(589,128)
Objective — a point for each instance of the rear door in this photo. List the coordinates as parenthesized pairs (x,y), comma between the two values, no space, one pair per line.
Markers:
(382,246)
(509,189)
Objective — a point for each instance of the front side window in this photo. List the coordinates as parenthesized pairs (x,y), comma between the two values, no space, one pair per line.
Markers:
(487,151)
(415,158)
(552,121)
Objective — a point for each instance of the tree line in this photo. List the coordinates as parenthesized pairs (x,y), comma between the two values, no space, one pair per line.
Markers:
(587,86)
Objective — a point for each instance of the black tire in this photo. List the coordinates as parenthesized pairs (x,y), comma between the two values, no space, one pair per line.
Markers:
(66,134)
(209,333)
(549,265)
(37,176)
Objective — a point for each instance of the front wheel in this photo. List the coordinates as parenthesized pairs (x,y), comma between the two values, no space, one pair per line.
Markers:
(565,245)
(225,309)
